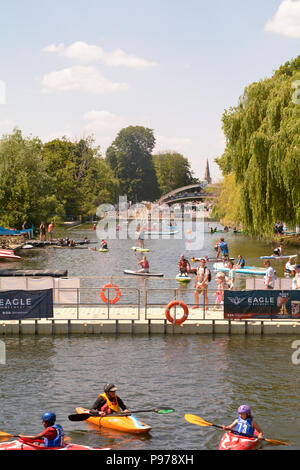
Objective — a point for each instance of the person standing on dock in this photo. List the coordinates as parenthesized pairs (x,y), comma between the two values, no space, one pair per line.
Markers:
(50,230)
(202,279)
(42,232)
(269,276)
(231,275)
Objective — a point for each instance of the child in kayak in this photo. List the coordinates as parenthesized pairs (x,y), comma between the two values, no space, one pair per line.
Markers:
(108,402)
(53,434)
(245,423)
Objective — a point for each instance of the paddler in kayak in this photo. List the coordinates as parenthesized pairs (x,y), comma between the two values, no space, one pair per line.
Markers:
(108,402)
(53,434)
(245,423)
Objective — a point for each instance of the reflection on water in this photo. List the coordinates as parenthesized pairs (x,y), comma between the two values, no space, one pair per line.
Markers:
(202,375)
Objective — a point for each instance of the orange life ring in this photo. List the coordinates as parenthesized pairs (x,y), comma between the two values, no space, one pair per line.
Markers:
(111,301)
(185,312)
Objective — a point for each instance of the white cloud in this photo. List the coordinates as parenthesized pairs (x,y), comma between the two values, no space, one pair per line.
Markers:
(163,143)
(80,78)
(104,121)
(7,126)
(83,52)
(286,20)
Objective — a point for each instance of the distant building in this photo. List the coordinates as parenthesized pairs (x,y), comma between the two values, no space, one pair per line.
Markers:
(207,176)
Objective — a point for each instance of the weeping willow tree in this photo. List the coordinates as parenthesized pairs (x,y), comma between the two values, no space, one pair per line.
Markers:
(263,151)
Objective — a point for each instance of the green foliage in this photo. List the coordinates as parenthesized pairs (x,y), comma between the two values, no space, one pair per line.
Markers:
(173,171)
(263,151)
(129,156)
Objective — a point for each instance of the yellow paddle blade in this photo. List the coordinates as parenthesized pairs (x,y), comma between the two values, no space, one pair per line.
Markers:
(197,420)
(67,439)
(4,436)
(275,442)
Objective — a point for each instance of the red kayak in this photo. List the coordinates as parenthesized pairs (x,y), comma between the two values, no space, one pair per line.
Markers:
(20,444)
(232,441)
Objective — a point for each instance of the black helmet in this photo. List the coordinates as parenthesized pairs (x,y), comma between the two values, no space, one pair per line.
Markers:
(110,388)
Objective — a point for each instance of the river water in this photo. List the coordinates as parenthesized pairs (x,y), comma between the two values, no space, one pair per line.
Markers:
(209,376)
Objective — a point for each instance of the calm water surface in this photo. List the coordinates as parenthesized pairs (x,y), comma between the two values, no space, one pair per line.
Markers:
(203,375)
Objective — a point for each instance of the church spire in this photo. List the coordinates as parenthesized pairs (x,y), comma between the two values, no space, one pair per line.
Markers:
(207,176)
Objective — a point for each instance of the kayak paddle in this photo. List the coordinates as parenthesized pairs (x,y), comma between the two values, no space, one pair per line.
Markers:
(84,416)
(4,436)
(201,422)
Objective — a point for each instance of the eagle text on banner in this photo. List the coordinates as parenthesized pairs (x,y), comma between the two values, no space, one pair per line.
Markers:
(23,304)
(262,304)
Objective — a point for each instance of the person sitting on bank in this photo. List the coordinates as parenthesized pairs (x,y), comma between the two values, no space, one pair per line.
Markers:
(183,265)
(245,423)
(144,265)
(53,434)
(108,402)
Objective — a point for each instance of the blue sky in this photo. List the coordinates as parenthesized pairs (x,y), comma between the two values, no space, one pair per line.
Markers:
(78,68)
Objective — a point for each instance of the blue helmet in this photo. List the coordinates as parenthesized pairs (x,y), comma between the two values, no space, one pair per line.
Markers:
(49,417)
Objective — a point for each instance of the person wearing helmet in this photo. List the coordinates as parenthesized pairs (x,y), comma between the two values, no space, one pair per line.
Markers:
(108,402)
(53,434)
(245,423)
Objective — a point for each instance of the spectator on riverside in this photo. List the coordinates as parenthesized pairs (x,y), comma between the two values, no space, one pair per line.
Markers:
(203,277)
(231,275)
(296,279)
(43,231)
(221,286)
(270,277)
(50,230)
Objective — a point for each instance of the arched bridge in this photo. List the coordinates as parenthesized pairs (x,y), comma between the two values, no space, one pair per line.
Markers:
(193,192)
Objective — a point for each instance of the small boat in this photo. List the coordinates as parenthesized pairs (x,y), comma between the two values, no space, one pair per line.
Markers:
(254,270)
(137,248)
(22,444)
(128,424)
(8,254)
(135,273)
(278,257)
(183,278)
(172,232)
(232,441)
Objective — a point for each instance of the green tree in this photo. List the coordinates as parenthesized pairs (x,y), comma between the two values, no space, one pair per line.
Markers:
(130,158)
(173,171)
(263,151)
(24,181)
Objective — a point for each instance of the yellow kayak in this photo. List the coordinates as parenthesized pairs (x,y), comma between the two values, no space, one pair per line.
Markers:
(120,423)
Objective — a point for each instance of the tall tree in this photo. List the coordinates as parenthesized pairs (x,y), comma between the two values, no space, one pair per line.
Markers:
(263,150)
(130,158)
(173,171)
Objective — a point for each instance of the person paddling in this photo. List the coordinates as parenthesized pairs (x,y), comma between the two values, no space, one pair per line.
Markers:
(245,423)
(103,245)
(144,263)
(53,434)
(108,402)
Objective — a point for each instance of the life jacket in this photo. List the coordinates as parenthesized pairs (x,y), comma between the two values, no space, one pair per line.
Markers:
(244,426)
(58,441)
(113,405)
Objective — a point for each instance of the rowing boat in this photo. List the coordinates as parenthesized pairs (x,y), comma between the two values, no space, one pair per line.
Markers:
(232,441)
(135,273)
(128,424)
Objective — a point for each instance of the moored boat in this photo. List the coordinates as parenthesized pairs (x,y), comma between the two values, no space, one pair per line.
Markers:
(128,424)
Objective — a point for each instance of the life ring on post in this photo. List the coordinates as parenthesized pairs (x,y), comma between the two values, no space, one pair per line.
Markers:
(179,321)
(115,299)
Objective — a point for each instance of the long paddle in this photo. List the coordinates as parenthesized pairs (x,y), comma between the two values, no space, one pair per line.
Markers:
(84,416)
(4,436)
(201,422)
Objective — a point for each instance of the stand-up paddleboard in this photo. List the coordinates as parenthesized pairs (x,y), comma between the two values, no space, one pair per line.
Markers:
(103,250)
(135,273)
(246,270)
(161,233)
(278,256)
(137,248)
(208,260)
(183,278)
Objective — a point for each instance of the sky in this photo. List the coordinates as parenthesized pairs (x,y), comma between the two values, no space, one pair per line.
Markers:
(92,67)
